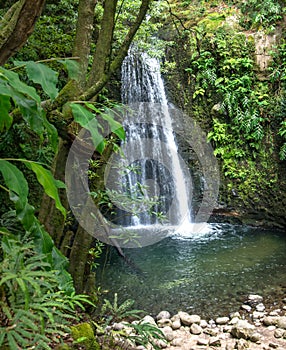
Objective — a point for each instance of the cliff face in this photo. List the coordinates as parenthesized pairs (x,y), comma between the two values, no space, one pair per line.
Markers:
(230,79)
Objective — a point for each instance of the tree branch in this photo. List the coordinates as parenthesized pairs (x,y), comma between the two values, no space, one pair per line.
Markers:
(83,37)
(18,25)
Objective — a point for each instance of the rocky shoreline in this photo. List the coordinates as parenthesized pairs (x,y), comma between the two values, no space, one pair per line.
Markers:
(255,326)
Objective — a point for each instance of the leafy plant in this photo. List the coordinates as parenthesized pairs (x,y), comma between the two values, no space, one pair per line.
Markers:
(34,309)
(146,333)
(113,312)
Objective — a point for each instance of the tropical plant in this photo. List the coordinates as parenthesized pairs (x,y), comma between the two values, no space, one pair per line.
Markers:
(35,310)
(113,312)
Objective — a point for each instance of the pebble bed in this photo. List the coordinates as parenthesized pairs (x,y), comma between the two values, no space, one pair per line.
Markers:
(255,326)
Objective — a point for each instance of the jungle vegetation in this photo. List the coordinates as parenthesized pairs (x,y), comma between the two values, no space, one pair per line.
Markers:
(60,66)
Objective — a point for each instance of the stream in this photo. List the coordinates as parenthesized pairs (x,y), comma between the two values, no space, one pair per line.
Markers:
(210,273)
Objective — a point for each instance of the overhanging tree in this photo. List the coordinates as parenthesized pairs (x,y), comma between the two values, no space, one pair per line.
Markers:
(85,85)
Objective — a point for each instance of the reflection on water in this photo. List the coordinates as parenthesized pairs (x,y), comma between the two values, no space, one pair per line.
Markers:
(205,273)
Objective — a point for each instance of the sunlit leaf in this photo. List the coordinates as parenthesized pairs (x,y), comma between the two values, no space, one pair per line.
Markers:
(16,183)
(48,182)
(87,120)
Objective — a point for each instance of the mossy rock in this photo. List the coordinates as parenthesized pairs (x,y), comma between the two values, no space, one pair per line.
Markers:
(83,334)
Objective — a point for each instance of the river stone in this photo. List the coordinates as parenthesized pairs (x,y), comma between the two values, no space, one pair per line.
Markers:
(188,319)
(211,331)
(260,307)
(234,320)
(164,322)
(242,329)
(118,326)
(168,333)
(149,319)
(202,341)
(279,333)
(215,341)
(178,342)
(270,320)
(281,322)
(196,329)
(255,337)
(254,299)
(222,320)
(246,307)
(163,315)
(176,324)
(203,323)
(257,315)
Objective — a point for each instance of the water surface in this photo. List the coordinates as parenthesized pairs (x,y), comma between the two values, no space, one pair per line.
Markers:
(209,274)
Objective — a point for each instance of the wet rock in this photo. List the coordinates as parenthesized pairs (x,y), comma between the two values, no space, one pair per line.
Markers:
(196,329)
(242,329)
(254,299)
(163,315)
(222,320)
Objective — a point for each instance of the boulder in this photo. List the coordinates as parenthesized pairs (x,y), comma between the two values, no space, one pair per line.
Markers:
(163,315)
(242,329)
(270,320)
(196,329)
(168,333)
(254,299)
(222,320)
(188,319)
(279,333)
(281,322)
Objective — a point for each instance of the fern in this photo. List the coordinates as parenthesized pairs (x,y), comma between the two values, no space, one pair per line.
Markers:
(33,308)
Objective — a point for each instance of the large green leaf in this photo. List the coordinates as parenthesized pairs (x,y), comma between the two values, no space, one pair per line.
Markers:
(71,66)
(115,126)
(87,120)
(48,182)
(18,85)
(16,183)
(41,74)
(5,118)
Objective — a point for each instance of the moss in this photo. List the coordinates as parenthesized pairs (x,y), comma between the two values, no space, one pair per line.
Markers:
(83,334)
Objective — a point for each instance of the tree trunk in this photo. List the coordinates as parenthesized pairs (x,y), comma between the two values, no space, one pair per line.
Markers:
(17,25)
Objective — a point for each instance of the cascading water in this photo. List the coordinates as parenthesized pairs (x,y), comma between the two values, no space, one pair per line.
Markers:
(160,175)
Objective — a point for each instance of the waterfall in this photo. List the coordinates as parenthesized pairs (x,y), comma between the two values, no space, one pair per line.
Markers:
(155,173)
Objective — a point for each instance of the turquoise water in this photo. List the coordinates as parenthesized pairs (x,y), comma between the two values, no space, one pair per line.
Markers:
(209,274)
